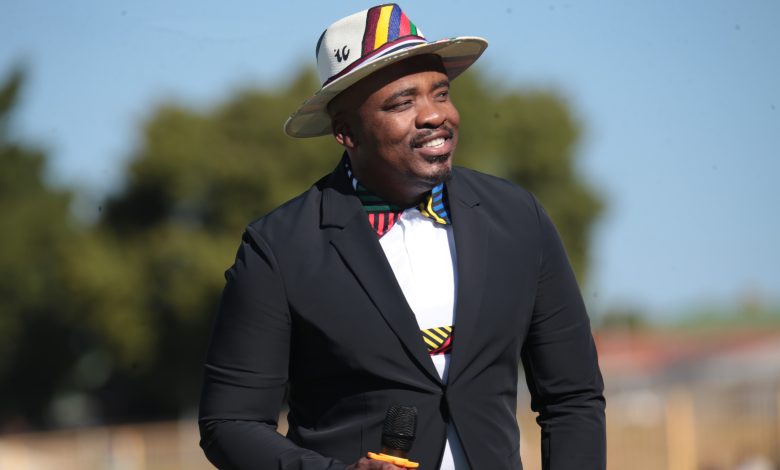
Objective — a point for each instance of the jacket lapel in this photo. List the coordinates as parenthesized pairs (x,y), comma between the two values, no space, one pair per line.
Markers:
(471,236)
(359,247)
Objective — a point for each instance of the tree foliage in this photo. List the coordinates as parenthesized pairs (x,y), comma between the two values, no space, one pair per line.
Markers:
(36,237)
(131,297)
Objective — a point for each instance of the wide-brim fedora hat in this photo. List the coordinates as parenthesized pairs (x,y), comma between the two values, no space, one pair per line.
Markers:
(360,44)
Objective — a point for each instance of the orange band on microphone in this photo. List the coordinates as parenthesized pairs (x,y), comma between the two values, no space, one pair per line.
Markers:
(398,461)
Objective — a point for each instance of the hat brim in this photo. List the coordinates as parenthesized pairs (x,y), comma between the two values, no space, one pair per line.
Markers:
(312,120)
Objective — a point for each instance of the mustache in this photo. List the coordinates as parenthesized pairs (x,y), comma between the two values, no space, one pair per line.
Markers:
(428,132)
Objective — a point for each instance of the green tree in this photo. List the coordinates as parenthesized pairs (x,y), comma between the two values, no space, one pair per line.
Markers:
(69,296)
(37,234)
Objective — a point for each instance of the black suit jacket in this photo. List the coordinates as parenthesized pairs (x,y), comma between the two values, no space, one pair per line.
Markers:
(311,306)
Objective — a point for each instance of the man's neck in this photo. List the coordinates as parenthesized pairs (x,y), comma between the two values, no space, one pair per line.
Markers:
(410,199)
(392,192)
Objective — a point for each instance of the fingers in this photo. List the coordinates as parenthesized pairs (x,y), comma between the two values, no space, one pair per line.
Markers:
(368,464)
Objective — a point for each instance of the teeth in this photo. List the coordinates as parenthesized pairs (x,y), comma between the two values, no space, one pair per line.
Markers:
(434,143)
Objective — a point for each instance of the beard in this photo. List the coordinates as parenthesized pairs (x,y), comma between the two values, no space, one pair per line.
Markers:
(440,176)
(441,173)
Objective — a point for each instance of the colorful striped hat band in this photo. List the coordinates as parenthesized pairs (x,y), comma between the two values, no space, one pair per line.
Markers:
(375,32)
(360,44)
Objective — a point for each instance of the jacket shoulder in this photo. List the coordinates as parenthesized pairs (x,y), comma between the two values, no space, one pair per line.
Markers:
(302,211)
(495,192)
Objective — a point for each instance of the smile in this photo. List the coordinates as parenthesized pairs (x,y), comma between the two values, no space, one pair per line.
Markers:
(435,143)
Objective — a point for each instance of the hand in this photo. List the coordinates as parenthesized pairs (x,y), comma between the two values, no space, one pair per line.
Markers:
(368,464)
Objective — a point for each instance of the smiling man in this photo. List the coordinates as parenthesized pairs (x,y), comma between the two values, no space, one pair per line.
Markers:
(399,128)
(399,279)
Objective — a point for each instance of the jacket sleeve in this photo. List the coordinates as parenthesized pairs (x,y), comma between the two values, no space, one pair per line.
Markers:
(246,368)
(561,365)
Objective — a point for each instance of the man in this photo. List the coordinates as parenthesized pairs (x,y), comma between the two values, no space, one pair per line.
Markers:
(399,279)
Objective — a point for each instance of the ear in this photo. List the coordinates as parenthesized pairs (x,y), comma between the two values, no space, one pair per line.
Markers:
(342,132)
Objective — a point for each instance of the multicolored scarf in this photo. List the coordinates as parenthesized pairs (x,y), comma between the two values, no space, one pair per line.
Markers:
(382,215)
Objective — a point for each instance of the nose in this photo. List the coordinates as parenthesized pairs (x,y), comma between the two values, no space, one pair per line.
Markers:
(430,114)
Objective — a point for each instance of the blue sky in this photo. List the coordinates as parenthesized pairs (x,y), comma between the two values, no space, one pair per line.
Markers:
(680,104)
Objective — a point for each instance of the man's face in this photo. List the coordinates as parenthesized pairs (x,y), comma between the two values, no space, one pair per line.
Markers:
(403,127)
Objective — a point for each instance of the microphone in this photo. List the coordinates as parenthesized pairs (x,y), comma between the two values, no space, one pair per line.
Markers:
(397,436)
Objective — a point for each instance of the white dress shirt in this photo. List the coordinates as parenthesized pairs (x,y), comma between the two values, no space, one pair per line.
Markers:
(422,256)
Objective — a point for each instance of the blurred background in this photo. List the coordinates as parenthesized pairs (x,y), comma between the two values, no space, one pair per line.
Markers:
(137,139)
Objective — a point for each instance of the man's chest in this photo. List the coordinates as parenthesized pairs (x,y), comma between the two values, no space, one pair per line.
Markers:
(356,303)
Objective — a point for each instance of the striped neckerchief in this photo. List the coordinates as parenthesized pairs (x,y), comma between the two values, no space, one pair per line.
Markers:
(382,215)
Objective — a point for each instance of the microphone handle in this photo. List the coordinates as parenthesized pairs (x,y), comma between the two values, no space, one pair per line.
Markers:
(395,460)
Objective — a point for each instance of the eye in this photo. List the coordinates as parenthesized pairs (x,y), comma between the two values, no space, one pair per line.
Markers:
(400,105)
(444,94)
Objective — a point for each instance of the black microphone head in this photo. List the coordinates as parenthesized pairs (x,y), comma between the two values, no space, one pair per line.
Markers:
(399,428)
